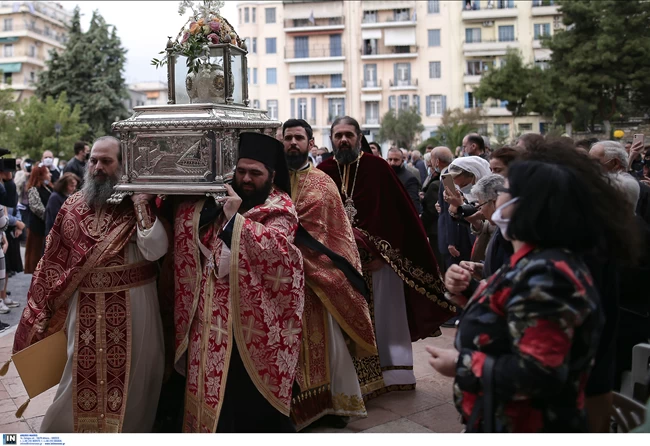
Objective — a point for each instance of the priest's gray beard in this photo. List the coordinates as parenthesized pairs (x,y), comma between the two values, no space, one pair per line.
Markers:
(345,154)
(98,188)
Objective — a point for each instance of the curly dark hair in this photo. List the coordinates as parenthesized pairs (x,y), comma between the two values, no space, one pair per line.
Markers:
(506,155)
(567,201)
(61,186)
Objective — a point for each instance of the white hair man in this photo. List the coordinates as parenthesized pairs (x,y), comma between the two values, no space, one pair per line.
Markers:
(611,155)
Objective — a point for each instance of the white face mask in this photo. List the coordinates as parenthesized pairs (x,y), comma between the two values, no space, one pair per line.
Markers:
(500,221)
(467,189)
(48,161)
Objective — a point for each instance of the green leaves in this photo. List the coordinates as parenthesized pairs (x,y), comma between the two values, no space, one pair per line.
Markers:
(401,128)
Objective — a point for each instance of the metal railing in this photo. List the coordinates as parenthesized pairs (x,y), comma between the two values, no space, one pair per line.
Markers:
(314,51)
(371,121)
(370,51)
(539,3)
(307,23)
(315,85)
(403,82)
(50,34)
(514,39)
(401,18)
(371,83)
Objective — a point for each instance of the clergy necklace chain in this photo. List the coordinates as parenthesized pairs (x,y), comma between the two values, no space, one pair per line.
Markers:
(303,185)
(349,208)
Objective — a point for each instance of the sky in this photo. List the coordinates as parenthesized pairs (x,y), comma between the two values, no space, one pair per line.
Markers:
(143,28)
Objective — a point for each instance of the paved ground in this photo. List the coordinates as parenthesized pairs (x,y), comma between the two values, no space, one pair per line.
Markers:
(427,409)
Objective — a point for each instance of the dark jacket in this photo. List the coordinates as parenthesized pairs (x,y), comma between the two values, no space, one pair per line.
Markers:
(77,167)
(412,186)
(643,205)
(429,212)
(419,165)
(54,204)
(452,232)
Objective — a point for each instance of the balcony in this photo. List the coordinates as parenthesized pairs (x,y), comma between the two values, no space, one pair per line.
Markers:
(371,85)
(500,11)
(391,22)
(315,53)
(316,88)
(305,26)
(472,79)
(391,52)
(544,8)
(56,39)
(488,47)
(403,84)
(21,56)
(371,123)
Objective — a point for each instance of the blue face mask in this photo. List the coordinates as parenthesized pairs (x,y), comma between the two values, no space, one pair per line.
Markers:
(467,189)
(437,169)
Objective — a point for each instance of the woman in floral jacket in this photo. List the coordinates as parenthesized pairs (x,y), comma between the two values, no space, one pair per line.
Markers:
(527,338)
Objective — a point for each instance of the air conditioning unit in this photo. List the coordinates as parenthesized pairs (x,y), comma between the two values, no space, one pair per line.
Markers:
(488,23)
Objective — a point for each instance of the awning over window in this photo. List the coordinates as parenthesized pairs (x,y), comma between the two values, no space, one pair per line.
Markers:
(399,37)
(153,94)
(313,68)
(11,67)
(379,5)
(8,39)
(371,97)
(319,10)
(370,34)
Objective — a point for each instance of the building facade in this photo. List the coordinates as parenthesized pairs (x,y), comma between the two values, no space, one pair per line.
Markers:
(153,93)
(317,60)
(28,32)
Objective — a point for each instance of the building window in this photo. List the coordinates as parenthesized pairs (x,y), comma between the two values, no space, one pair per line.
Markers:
(254,76)
(370,75)
(369,16)
(401,15)
(543,64)
(240,21)
(301,47)
(271,45)
(336,49)
(402,74)
(433,6)
(507,33)
(270,15)
(391,103)
(271,76)
(9,50)
(32,76)
(302,82)
(501,130)
(372,113)
(336,108)
(434,70)
(336,80)
(246,16)
(416,103)
(542,30)
(256,103)
(543,3)
(434,37)
(254,45)
(472,35)
(506,4)
(370,47)
(272,108)
(403,103)
(471,101)
(48,31)
(32,51)
(435,105)
(557,22)
(525,127)
(8,78)
(253,14)
(302,108)
(313,110)
(9,25)
(476,67)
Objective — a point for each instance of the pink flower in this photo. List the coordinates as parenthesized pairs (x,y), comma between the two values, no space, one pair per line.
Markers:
(215,26)
(192,24)
(213,38)
(185,37)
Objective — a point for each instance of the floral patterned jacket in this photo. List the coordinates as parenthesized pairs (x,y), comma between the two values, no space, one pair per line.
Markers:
(540,319)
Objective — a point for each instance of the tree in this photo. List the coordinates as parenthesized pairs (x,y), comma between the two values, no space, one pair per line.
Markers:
(401,128)
(602,56)
(7,117)
(455,124)
(90,70)
(34,127)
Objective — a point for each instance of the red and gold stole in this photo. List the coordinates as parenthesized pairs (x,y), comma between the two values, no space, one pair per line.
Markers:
(81,241)
(259,304)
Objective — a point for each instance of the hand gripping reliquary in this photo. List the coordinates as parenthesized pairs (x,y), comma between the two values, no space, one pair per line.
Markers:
(189,146)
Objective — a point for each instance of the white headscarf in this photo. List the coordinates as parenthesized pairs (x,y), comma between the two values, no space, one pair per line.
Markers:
(475,165)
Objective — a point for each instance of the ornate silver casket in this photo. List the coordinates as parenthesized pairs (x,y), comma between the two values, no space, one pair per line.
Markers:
(186,148)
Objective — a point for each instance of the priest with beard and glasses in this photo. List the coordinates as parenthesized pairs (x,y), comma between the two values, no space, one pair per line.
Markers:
(407,296)
(239,286)
(97,281)
(336,322)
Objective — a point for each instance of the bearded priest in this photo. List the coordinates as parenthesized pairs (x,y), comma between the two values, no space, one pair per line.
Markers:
(407,302)
(335,311)
(239,286)
(97,280)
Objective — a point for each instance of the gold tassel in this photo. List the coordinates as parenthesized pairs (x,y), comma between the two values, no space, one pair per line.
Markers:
(5,368)
(21,409)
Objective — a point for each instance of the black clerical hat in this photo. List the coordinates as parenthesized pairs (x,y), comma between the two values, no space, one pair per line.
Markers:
(365,146)
(268,151)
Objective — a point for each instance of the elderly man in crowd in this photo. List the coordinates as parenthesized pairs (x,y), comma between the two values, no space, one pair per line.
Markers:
(474,145)
(408,179)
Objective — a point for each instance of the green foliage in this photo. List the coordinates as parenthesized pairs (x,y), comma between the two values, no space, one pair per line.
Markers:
(602,56)
(34,127)
(455,124)
(90,71)
(7,118)
(401,128)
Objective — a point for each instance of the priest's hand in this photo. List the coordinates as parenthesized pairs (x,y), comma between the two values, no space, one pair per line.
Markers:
(142,198)
(231,202)
(443,360)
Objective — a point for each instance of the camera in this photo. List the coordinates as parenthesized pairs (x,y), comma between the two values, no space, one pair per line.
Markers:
(467,210)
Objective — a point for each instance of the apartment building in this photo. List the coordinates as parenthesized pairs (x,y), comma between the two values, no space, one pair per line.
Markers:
(28,32)
(153,93)
(317,60)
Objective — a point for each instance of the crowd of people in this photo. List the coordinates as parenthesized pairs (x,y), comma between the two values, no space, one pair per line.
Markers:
(294,298)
